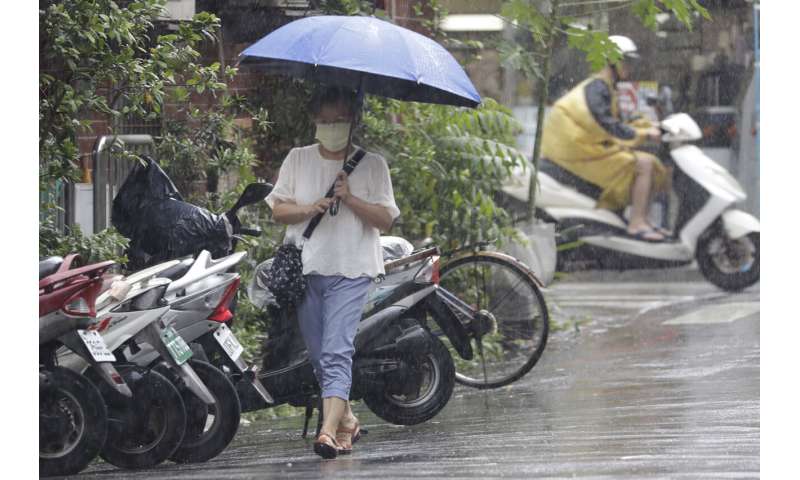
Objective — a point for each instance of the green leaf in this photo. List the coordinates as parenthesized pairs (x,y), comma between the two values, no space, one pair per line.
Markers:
(599,50)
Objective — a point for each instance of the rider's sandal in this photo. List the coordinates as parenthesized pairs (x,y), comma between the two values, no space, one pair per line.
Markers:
(325,446)
(663,231)
(346,437)
(642,235)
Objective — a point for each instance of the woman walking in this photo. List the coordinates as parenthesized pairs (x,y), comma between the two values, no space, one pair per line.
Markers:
(342,256)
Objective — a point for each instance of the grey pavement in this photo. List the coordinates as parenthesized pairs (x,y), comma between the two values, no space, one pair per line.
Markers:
(647,379)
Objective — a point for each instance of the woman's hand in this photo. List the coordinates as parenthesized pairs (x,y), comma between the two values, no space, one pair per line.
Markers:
(341,189)
(654,134)
(320,206)
(290,213)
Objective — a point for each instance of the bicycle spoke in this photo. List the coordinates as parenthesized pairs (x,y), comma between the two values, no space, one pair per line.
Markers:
(483,359)
(510,291)
(515,341)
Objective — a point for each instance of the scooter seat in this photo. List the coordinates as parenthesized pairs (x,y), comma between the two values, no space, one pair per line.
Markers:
(565,177)
(179,270)
(49,266)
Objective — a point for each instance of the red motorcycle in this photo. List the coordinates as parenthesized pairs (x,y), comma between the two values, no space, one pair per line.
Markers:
(72,413)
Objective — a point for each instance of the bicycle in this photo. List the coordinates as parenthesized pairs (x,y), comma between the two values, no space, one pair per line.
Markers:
(498,300)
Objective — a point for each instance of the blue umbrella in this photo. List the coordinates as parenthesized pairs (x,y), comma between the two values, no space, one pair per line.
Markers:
(367,54)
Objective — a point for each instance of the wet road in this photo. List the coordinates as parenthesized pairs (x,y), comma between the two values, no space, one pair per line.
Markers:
(650,379)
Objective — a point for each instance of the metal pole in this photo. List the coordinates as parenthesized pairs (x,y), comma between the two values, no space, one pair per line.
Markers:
(108,174)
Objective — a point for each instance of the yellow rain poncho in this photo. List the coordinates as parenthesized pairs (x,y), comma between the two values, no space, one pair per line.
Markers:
(575,140)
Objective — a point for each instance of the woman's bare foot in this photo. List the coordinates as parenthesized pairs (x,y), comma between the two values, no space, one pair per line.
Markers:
(325,446)
(348,433)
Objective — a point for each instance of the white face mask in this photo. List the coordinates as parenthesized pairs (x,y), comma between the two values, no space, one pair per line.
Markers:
(333,136)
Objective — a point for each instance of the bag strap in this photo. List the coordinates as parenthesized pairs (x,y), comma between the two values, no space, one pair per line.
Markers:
(348,168)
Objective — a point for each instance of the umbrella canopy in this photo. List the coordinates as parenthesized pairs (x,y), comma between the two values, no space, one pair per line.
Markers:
(364,53)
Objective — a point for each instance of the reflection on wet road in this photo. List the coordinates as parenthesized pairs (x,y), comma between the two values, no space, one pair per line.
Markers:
(632,393)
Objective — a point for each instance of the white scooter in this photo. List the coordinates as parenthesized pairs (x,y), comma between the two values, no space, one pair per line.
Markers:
(199,297)
(148,429)
(723,240)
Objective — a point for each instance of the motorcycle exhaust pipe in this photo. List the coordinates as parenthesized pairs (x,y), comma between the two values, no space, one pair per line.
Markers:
(414,340)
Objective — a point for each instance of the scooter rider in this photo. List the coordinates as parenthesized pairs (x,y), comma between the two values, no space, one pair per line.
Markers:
(584,134)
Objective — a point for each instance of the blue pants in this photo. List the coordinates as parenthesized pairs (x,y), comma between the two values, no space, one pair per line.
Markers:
(328,317)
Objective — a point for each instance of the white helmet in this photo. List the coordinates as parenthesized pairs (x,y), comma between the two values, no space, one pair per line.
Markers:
(625,45)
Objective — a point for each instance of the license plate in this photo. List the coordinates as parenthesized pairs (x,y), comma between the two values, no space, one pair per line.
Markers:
(176,345)
(96,346)
(227,340)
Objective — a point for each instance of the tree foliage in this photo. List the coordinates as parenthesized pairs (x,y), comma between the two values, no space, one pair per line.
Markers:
(446,164)
(97,57)
(105,245)
(101,60)
(528,16)
(207,144)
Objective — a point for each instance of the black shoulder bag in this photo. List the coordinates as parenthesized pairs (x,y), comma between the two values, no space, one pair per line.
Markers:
(285,277)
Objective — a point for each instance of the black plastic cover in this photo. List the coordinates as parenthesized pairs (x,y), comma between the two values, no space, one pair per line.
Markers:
(150,211)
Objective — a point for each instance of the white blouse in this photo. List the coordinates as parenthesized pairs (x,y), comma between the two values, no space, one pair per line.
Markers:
(342,244)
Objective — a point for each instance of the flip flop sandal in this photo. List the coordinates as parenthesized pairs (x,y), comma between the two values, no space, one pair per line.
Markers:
(326,447)
(346,437)
(663,231)
(641,236)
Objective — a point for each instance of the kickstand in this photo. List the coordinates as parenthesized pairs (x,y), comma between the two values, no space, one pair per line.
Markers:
(309,412)
(319,419)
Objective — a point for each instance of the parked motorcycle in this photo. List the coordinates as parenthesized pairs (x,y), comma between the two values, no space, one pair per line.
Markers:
(199,297)
(147,429)
(404,374)
(72,413)
(723,240)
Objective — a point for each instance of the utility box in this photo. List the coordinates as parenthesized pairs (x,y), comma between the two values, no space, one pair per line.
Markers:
(83,206)
(180,9)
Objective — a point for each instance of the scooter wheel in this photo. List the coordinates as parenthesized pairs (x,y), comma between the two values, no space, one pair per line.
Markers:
(730,264)
(209,428)
(146,429)
(425,392)
(72,422)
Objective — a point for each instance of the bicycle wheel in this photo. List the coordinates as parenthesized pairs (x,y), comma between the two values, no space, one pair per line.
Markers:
(510,331)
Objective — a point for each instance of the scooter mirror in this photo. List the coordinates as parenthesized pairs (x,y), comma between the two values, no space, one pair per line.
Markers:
(254,193)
